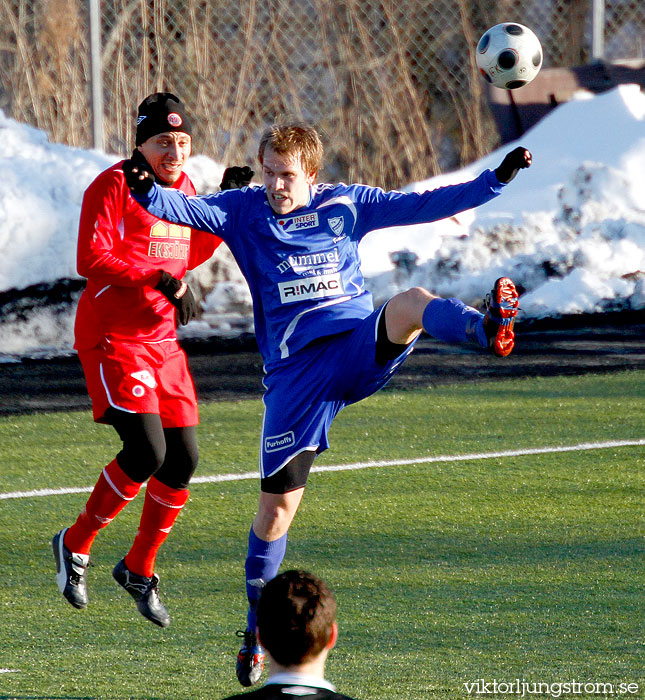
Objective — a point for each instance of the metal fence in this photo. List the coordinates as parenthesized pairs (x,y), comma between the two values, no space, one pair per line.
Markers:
(392,84)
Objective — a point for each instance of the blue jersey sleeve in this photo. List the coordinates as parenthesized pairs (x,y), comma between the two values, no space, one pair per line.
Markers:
(212,213)
(377,209)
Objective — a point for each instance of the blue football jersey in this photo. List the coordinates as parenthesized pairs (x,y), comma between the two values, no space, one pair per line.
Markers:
(303,269)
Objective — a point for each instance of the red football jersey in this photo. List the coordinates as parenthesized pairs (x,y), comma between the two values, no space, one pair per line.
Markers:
(121,249)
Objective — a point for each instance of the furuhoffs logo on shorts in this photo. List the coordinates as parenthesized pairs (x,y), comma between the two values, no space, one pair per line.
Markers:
(279,442)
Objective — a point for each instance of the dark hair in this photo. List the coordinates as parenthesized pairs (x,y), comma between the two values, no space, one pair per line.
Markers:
(296,613)
(300,140)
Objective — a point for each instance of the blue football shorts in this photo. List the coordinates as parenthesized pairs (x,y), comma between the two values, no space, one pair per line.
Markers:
(307,391)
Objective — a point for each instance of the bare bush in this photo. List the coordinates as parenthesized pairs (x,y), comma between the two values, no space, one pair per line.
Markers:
(392,85)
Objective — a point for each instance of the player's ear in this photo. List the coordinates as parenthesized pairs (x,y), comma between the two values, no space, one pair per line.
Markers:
(311,178)
(333,636)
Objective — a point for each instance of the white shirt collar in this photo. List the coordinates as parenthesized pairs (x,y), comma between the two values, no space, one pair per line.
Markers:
(303,679)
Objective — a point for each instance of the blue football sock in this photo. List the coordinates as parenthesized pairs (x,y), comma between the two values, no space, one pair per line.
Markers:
(262,563)
(453,321)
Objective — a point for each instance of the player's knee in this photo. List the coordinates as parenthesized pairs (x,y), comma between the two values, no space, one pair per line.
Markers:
(141,459)
(144,443)
(418,296)
(177,473)
(182,458)
(410,304)
(404,314)
(274,516)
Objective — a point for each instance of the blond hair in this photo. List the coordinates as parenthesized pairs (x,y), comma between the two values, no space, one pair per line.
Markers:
(299,140)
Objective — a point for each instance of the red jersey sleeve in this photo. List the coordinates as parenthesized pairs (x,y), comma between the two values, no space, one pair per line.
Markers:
(202,247)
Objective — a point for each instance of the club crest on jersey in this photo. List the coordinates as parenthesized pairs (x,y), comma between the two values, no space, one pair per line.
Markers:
(337,224)
(299,223)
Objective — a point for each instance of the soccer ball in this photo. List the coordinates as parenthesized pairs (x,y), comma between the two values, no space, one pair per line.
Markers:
(509,55)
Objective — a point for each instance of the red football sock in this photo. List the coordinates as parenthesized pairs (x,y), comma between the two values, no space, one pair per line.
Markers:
(112,493)
(160,510)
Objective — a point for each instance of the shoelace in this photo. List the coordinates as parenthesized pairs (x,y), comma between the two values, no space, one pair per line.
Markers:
(74,576)
(249,637)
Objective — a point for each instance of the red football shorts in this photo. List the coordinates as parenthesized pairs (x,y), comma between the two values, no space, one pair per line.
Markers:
(141,378)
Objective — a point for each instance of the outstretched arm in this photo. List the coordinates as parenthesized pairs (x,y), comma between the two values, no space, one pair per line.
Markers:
(208,213)
(379,209)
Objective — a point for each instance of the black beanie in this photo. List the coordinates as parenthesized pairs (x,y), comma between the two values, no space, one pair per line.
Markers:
(159,113)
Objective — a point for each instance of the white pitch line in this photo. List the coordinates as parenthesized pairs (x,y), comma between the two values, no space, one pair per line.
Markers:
(9,670)
(217,478)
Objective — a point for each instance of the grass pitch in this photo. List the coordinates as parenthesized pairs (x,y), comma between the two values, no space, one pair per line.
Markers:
(524,568)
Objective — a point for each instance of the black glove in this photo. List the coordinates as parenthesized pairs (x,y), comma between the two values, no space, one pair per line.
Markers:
(518,158)
(179,295)
(236,177)
(137,177)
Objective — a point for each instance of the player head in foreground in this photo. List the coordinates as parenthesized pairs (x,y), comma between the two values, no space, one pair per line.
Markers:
(297,627)
(324,345)
(136,373)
